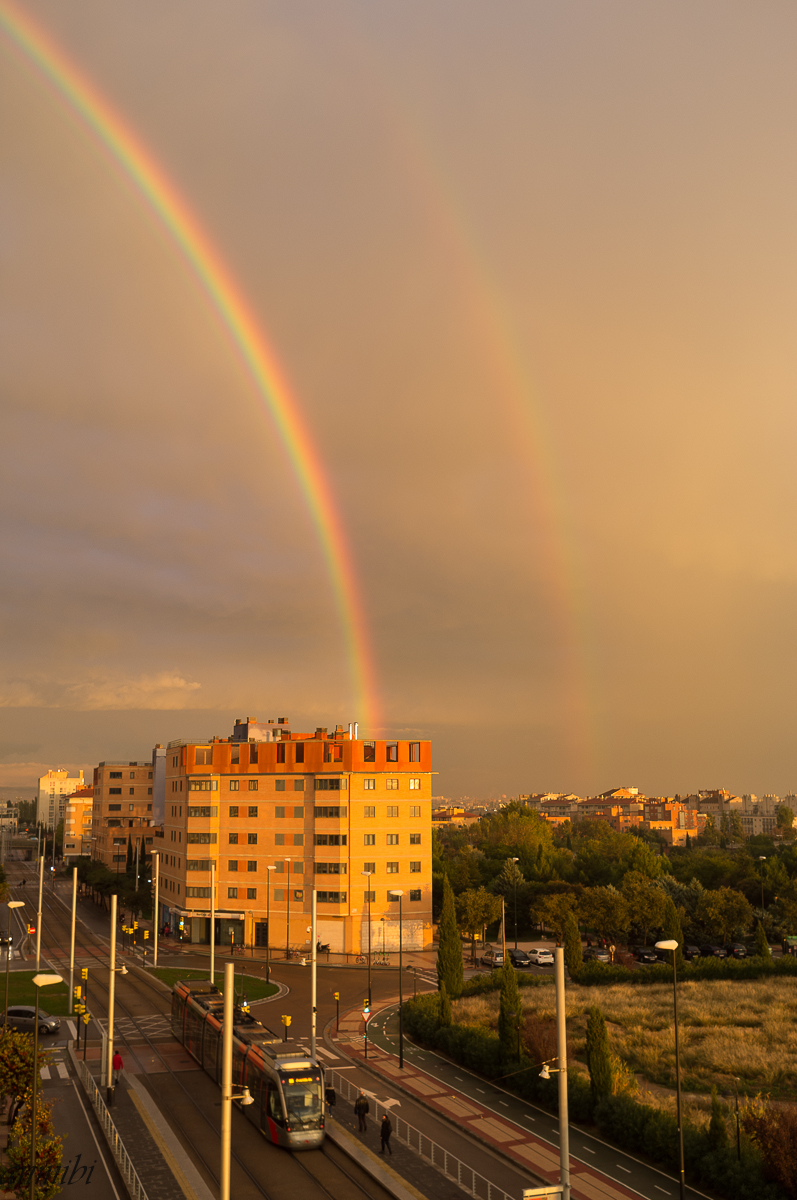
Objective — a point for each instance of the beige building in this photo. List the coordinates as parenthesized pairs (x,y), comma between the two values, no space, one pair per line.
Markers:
(280,813)
(77,823)
(54,787)
(121,811)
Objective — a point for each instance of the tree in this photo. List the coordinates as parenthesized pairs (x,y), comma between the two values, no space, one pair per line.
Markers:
(574,959)
(646,902)
(606,910)
(445,1004)
(16,1062)
(509,1012)
(761,944)
(475,909)
(673,932)
(553,911)
(129,863)
(785,818)
(449,950)
(717,1128)
(49,1153)
(774,1131)
(598,1056)
(723,911)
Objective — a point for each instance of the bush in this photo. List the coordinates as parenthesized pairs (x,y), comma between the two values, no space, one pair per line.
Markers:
(595,974)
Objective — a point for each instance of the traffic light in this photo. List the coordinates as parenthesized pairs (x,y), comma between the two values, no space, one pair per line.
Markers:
(146,934)
(84,973)
(336,995)
(366,1007)
(86,1018)
(286,1020)
(135,924)
(77,993)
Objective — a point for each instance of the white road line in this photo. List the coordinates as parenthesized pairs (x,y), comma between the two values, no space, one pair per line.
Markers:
(504,1103)
(481,1090)
(622,1168)
(588,1150)
(658,1189)
(62,1071)
(45,1072)
(96,1143)
(72,1030)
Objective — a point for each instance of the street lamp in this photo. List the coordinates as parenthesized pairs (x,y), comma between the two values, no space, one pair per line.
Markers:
(40,981)
(398,893)
(227,1096)
(288,915)
(673,945)
(514,860)
(382,919)
(11,904)
(368,875)
(268,923)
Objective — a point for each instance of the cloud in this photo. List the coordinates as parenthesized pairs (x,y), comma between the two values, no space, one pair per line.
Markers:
(166,690)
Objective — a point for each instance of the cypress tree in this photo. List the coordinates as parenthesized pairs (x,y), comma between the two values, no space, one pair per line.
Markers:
(574,959)
(509,1012)
(569,842)
(761,944)
(717,1128)
(450,969)
(598,1058)
(445,1004)
(129,863)
(673,932)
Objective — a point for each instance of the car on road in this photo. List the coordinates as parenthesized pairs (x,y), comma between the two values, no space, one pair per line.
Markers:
(736,950)
(492,957)
(541,956)
(713,952)
(519,958)
(644,954)
(597,954)
(23,1016)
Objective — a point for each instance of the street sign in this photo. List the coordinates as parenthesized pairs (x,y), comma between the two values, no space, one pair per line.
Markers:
(546,1193)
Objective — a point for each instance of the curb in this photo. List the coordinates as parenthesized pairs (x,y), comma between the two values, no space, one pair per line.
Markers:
(366,1158)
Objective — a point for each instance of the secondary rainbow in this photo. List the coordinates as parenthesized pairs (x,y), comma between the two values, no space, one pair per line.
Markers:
(164,200)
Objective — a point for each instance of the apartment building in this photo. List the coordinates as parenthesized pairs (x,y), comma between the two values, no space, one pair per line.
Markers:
(54,787)
(77,823)
(121,811)
(279,813)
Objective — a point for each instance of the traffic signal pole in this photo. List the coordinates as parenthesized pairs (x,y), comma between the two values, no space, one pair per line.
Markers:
(72,944)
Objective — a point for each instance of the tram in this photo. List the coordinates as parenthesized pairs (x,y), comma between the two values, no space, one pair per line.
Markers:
(287,1086)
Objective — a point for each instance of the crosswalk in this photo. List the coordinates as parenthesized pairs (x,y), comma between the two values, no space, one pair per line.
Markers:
(154,1027)
(55,1070)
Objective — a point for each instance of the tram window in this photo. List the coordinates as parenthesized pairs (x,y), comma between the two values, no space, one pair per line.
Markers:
(274,1107)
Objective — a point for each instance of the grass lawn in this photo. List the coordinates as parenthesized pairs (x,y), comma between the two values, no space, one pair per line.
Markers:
(21,990)
(728,1030)
(251,986)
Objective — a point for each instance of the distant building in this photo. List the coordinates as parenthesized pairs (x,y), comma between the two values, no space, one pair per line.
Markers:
(77,824)
(54,787)
(121,811)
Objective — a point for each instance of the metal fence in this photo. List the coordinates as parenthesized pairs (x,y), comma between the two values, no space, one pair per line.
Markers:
(126,1168)
(454,1168)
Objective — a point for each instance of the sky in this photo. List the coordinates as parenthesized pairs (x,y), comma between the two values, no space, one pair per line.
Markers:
(530,271)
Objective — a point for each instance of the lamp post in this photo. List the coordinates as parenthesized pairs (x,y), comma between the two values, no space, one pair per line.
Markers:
(40,981)
(11,904)
(72,941)
(514,860)
(561,1070)
(368,874)
(738,1128)
(268,922)
(39,913)
(673,946)
(227,1096)
(288,913)
(762,858)
(156,914)
(382,919)
(212,921)
(398,893)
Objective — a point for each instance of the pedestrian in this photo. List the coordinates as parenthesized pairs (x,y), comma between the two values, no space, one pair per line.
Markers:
(384,1133)
(329,1095)
(362,1108)
(118,1065)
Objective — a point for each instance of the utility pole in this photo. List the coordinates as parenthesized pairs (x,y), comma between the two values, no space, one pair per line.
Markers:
(39,914)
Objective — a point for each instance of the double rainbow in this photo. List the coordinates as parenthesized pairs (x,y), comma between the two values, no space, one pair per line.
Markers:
(230,305)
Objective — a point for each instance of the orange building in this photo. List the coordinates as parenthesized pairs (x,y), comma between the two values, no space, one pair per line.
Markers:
(77,823)
(279,813)
(121,812)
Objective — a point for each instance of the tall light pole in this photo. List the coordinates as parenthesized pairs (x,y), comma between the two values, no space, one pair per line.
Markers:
(288,913)
(368,874)
(313,964)
(398,893)
(545,1073)
(673,945)
(212,921)
(40,982)
(11,904)
(39,913)
(268,922)
(514,860)
(111,1001)
(72,943)
(227,1096)
(156,922)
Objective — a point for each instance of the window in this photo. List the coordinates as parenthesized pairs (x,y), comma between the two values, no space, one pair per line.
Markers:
(205,811)
(115,791)
(115,775)
(251,893)
(337,753)
(201,839)
(392,810)
(300,752)
(281,752)
(369,752)
(131,792)
(369,785)
(298,812)
(369,839)
(131,807)
(330,868)
(232,864)
(251,839)
(149,793)
(197,864)
(198,891)
(392,839)
(298,839)
(331,812)
(279,839)
(415,839)
(415,810)
(252,785)
(280,868)
(392,868)
(119,858)
(415,751)
(369,867)
(391,785)
(119,841)
(252,810)
(114,821)
(330,785)
(279,811)
(280,785)
(233,785)
(251,865)
(298,785)
(114,808)
(415,893)
(369,897)
(298,868)
(415,785)
(330,839)
(233,838)
(203,785)
(369,810)
(204,756)
(331,897)
(391,751)
(415,868)
(235,754)
(233,810)
(232,893)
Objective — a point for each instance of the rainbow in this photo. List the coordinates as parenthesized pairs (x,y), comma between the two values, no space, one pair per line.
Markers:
(234,312)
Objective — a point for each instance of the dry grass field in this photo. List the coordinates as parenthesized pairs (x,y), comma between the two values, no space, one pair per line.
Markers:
(728,1030)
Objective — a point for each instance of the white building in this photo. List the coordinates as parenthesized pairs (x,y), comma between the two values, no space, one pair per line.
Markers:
(54,787)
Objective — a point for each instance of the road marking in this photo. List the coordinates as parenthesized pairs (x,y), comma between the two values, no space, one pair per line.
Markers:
(481,1090)
(590,1151)
(72,1030)
(504,1103)
(459,1077)
(45,1072)
(658,1189)
(622,1168)
(62,1071)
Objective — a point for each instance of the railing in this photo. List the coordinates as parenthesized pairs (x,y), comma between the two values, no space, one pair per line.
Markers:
(126,1168)
(469,1180)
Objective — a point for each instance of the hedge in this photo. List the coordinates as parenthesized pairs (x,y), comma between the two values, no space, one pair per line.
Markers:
(595,974)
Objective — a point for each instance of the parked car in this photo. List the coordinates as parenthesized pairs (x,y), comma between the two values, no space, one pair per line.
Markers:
(689,952)
(736,950)
(713,952)
(23,1016)
(492,958)
(644,954)
(597,954)
(519,958)
(542,957)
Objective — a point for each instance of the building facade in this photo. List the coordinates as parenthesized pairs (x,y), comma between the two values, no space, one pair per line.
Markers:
(121,812)
(279,813)
(77,823)
(54,787)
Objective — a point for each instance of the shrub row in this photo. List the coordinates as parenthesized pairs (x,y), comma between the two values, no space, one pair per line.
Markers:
(638,1128)
(595,974)
(492,983)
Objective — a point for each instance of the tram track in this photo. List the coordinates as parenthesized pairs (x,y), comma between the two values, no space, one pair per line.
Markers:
(327,1167)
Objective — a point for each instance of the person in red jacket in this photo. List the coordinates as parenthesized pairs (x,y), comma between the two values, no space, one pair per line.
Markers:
(118,1065)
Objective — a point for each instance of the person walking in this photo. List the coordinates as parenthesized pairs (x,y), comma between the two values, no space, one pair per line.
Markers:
(385,1131)
(362,1108)
(118,1065)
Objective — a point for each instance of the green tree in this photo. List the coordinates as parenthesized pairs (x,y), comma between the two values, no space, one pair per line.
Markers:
(761,944)
(553,911)
(475,909)
(673,932)
(646,902)
(598,1056)
(49,1154)
(450,968)
(445,1004)
(606,910)
(574,958)
(129,863)
(723,911)
(509,1012)
(717,1128)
